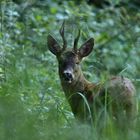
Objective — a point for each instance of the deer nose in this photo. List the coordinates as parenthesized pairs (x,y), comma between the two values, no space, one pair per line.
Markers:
(68,76)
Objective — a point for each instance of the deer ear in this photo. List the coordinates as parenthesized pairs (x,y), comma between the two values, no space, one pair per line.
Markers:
(53,45)
(86,48)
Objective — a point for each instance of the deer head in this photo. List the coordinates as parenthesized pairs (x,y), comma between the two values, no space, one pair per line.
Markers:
(69,59)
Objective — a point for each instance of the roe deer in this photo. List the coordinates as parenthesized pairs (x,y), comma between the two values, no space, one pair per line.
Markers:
(118,92)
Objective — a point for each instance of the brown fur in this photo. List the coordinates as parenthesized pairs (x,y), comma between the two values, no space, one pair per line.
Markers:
(120,90)
(117,93)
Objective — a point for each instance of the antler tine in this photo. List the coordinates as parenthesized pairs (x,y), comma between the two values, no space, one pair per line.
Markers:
(76,41)
(63,35)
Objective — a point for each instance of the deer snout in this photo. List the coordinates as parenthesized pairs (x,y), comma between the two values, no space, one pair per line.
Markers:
(68,76)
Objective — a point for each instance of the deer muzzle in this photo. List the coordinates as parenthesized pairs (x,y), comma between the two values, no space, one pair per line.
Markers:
(68,76)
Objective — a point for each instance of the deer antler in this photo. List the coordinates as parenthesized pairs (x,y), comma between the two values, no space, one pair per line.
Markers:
(62,35)
(76,41)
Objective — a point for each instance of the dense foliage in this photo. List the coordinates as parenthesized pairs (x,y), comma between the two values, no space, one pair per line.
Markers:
(32,103)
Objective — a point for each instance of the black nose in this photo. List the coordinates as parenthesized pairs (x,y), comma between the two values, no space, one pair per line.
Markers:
(68,76)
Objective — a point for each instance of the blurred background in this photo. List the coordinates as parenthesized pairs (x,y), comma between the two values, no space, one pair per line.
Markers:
(32,103)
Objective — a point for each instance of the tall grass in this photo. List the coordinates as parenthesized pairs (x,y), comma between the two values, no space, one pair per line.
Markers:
(32,103)
(33,106)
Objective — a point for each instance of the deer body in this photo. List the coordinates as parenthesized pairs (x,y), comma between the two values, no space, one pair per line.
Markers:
(117,92)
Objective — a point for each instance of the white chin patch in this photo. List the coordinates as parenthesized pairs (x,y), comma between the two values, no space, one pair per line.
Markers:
(69,81)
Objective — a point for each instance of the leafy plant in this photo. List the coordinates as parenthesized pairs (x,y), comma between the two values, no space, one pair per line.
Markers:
(32,104)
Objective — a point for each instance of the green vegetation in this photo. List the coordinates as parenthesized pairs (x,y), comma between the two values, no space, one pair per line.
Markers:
(32,103)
